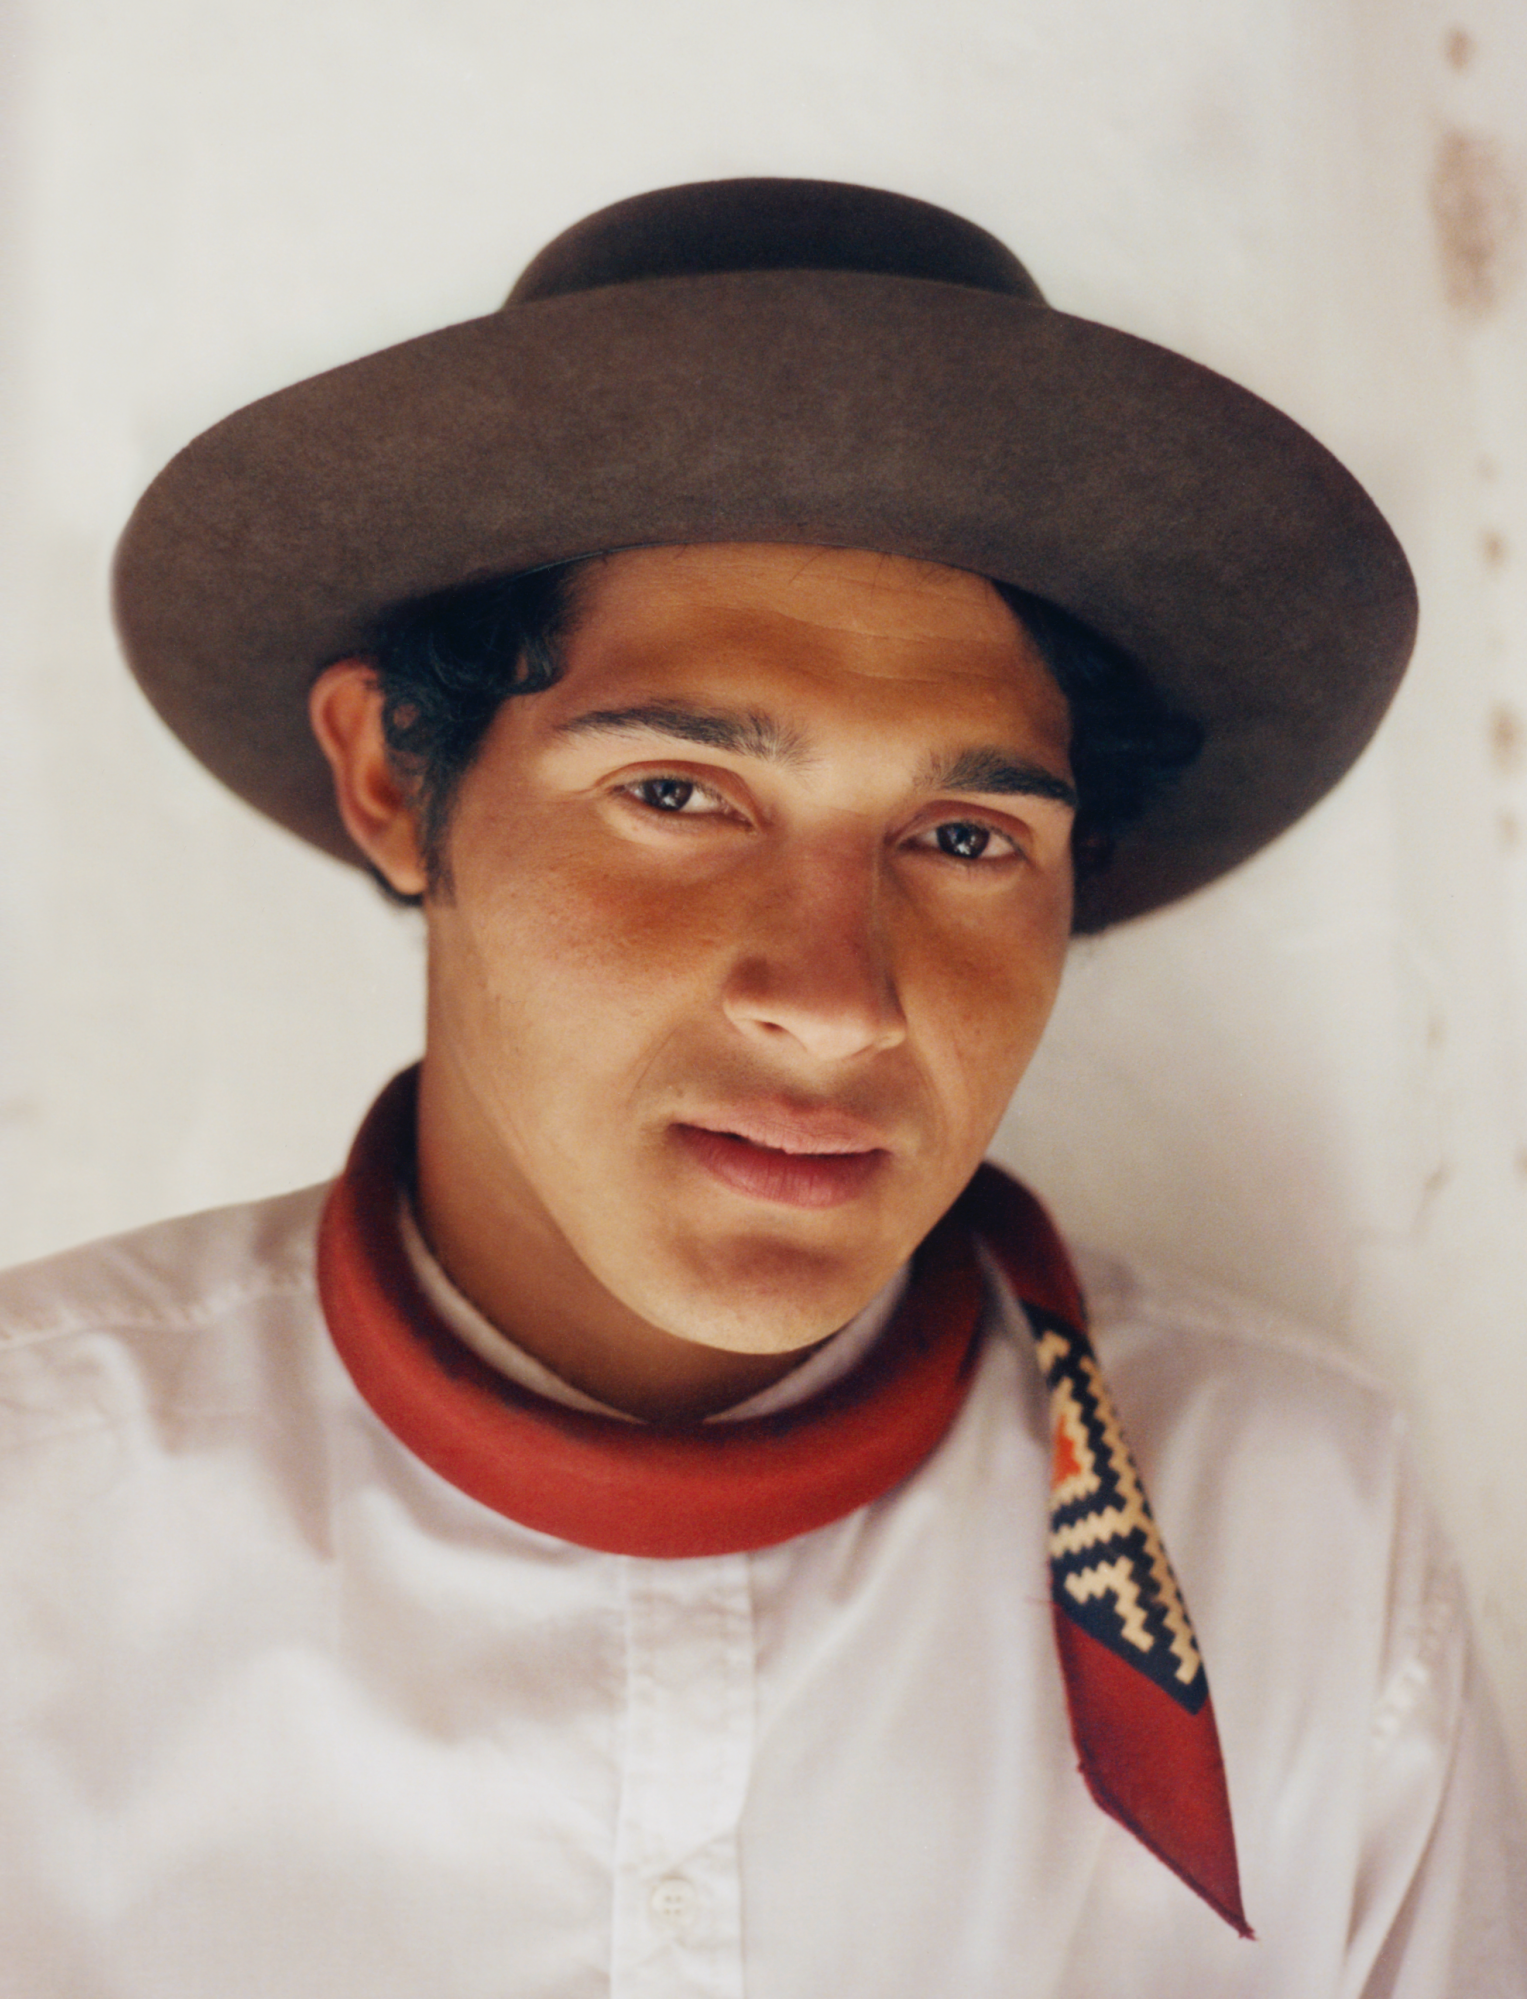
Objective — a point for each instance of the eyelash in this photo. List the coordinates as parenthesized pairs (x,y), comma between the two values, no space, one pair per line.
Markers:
(639,785)
(697,789)
(1011,851)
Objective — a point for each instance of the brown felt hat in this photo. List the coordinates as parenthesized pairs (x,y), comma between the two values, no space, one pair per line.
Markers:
(798,361)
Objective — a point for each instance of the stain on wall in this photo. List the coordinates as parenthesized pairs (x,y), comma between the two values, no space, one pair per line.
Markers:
(1508,740)
(1458,48)
(1476,205)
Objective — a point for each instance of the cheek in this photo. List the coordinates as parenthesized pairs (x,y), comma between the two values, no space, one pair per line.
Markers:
(573,949)
(980,1006)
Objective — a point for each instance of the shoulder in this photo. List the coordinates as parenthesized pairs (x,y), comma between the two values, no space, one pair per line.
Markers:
(1333,1620)
(170,1272)
(1281,1471)
(1182,1353)
(110,1324)
(1283,1476)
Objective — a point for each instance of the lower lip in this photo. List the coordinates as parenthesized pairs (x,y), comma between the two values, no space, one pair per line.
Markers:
(794,1179)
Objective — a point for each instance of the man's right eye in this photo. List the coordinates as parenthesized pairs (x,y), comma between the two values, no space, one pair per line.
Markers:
(666,794)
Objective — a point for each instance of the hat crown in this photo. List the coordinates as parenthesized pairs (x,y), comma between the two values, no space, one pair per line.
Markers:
(707,227)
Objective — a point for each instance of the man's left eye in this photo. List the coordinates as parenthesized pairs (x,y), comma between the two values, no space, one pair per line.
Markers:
(671,794)
(969,840)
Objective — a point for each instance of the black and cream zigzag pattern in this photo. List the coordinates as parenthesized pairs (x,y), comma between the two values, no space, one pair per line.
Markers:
(1108,1568)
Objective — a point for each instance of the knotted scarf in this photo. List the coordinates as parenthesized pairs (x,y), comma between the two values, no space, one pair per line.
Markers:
(1138,1699)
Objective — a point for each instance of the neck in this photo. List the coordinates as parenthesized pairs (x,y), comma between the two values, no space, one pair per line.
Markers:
(504,1253)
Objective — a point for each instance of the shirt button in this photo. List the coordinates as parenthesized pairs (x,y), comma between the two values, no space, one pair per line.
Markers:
(675,1905)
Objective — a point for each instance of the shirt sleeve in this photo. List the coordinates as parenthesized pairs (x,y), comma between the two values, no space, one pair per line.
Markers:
(1440,1910)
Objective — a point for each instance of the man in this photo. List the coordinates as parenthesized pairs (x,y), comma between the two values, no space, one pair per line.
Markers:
(658,1524)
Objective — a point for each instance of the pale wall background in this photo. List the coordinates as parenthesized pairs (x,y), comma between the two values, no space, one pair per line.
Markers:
(1309,1083)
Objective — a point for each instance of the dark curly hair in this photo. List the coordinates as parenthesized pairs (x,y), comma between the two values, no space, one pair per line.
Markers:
(446,663)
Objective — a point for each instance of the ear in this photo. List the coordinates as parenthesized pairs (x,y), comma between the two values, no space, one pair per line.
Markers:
(345,708)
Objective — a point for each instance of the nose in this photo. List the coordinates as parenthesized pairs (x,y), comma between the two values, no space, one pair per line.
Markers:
(814,963)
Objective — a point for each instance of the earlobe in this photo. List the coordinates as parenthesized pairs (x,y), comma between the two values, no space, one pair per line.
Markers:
(345,709)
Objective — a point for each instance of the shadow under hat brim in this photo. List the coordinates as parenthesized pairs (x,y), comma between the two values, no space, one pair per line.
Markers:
(1178,514)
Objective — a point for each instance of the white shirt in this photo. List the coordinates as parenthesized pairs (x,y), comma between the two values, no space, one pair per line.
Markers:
(283,1713)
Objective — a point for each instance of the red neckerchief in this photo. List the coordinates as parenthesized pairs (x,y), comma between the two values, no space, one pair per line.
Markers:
(1135,1686)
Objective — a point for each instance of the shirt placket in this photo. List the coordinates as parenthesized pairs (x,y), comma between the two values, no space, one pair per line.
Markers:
(690,1701)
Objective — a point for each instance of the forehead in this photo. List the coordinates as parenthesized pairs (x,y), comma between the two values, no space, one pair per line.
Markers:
(842,629)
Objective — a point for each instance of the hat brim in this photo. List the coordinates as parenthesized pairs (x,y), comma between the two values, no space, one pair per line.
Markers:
(1185,518)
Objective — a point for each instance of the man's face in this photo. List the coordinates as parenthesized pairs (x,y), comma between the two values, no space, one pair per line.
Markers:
(755,920)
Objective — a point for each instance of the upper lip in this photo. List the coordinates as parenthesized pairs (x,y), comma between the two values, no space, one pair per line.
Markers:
(785,1127)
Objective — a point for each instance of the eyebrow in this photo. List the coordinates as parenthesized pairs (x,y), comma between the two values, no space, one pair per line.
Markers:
(997,771)
(745,734)
(988,770)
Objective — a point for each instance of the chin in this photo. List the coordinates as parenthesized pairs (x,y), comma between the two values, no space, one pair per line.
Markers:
(763,1297)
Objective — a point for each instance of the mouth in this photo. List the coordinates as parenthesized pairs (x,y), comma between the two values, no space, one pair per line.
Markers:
(795,1159)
